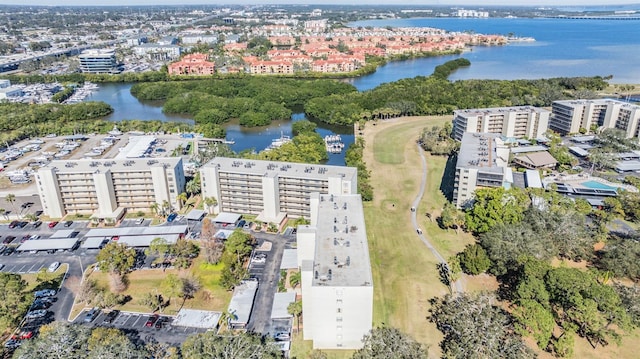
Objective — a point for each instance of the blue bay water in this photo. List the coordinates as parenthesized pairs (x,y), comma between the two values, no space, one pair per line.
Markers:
(563,48)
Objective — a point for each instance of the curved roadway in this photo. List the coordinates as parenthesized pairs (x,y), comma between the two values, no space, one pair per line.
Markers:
(414,220)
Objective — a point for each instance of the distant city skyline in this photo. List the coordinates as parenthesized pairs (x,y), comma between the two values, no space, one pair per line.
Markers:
(474,3)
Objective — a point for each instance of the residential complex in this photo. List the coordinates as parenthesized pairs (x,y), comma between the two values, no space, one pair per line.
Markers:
(574,116)
(193,64)
(106,187)
(518,122)
(98,61)
(337,285)
(482,162)
(272,190)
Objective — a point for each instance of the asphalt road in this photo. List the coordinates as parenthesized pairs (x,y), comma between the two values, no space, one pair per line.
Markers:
(268,275)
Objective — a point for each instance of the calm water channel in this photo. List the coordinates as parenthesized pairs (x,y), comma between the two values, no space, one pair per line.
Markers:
(562,48)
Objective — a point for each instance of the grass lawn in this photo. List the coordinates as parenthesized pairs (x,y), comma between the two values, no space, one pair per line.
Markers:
(300,349)
(210,297)
(404,270)
(53,279)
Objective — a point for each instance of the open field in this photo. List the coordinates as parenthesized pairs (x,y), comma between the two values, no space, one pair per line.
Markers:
(404,270)
(210,297)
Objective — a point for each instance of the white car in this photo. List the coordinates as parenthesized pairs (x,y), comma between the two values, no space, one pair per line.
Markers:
(139,220)
(259,258)
(53,266)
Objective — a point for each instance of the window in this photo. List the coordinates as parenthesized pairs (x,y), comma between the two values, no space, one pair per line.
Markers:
(339,319)
(338,310)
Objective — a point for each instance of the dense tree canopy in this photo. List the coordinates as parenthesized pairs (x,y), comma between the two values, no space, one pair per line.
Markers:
(495,206)
(475,328)
(244,345)
(14,302)
(389,343)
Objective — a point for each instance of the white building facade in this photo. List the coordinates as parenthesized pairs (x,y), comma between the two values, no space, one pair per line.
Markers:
(337,285)
(104,187)
(482,162)
(272,190)
(574,116)
(517,122)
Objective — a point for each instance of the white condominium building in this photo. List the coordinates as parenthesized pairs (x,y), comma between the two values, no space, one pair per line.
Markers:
(98,61)
(518,121)
(272,190)
(337,285)
(572,116)
(482,162)
(104,187)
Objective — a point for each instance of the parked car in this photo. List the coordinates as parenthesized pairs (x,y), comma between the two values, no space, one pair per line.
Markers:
(13,224)
(53,267)
(282,336)
(110,317)
(23,335)
(241,224)
(53,224)
(35,314)
(151,321)
(1,266)
(248,225)
(12,344)
(68,223)
(171,217)
(34,237)
(40,304)
(25,238)
(160,323)
(22,224)
(259,258)
(37,224)
(9,251)
(45,293)
(8,239)
(140,221)
(91,315)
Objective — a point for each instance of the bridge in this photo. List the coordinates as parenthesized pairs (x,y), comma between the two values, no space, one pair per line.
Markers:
(595,17)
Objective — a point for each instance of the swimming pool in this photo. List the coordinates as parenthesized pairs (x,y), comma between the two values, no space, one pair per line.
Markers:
(598,185)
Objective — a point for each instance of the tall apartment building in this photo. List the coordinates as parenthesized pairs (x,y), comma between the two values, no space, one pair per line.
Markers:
(104,187)
(337,285)
(272,190)
(573,115)
(482,162)
(98,61)
(518,121)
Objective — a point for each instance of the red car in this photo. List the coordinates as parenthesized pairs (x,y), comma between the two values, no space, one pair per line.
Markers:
(52,224)
(152,319)
(22,335)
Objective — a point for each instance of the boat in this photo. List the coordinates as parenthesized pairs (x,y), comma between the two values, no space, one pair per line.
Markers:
(333,143)
(229,142)
(278,142)
(520,39)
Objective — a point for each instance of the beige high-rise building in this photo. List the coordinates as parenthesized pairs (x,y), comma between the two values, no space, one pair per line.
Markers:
(337,284)
(572,116)
(270,189)
(105,186)
(518,121)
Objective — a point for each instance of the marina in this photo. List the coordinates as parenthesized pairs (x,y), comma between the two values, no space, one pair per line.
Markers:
(333,143)
(278,142)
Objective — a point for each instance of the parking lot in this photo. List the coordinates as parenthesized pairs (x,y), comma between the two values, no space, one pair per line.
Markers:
(137,322)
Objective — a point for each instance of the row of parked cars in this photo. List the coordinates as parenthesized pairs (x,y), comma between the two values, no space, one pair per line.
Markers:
(35,317)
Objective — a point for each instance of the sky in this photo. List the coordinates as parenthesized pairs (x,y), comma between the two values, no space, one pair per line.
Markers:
(477,3)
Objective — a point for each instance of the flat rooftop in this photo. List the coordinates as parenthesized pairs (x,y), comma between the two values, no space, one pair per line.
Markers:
(342,252)
(284,169)
(483,151)
(136,231)
(114,165)
(580,102)
(241,303)
(473,112)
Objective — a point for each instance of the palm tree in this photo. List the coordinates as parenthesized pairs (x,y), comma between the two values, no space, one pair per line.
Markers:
(193,187)
(182,197)
(210,202)
(226,317)
(295,309)
(154,208)
(165,208)
(4,213)
(11,198)
(294,279)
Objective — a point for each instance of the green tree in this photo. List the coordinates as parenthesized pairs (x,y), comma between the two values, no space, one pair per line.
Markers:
(112,343)
(152,301)
(532,318)
(172,286)
(472,324)
(474,259)
(116,258)
(295,309)
(14,301)
(389,343)
(303,126)
(496,206)
(11,198)
(294,279)
(56,340)
(159,246)
(243,345)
